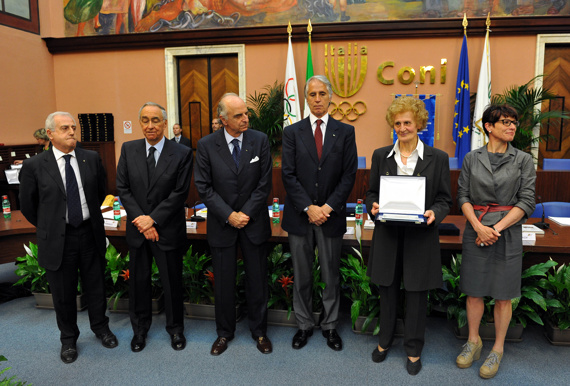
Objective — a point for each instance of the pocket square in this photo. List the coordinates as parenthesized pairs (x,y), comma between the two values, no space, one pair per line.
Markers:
(255,159)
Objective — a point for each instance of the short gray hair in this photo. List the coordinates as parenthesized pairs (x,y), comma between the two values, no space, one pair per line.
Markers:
(320,78)
(50,120)
(155,105)
(222,108)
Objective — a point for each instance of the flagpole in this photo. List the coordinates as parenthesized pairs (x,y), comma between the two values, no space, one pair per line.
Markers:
(309,72)
(291,109)
(483,92)
(462,114)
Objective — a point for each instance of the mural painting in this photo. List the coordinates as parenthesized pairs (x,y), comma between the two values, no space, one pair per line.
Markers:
(105,17)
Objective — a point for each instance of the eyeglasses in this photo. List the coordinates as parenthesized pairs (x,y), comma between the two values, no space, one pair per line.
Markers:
(507,122)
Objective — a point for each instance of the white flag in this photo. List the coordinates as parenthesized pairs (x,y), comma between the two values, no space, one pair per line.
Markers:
(290,91)
(483,97)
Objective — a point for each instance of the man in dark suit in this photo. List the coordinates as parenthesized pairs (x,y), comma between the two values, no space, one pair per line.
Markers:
(319,167)
(233,178)
(61,191)
(153,178)
(178,137)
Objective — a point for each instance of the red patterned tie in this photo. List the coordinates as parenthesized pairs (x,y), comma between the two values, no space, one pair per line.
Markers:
(319,138)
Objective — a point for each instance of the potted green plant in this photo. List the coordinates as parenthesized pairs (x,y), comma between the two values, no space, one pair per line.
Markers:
(199,282)
(280,304)
(527,101)
(116,279)
(266,114)
(12,381)
(33,275)
(556,289)
(525,308)
(365,305)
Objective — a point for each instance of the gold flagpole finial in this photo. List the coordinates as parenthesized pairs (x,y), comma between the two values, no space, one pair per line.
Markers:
(309,27)
(289,29)
(488,22)
(465,23)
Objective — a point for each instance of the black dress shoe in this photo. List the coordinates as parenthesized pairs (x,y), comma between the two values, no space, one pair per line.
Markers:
(108,339)
(68,353)
(138,343)
(333,339)
(263,344)
(220,345)
(301,337)
(379,356)
(414,367)
(178,341)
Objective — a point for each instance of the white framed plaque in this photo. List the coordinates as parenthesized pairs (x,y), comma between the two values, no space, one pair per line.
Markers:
(402,199)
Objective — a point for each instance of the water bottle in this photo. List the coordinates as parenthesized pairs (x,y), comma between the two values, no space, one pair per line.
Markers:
(6,207)
(358,212)
(275,210)
(116,209)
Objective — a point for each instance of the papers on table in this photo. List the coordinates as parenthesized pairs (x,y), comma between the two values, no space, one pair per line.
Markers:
(529,238)
(564,221)
(349,231)
(110,223)
(368,224)
(191,224)
(532,228)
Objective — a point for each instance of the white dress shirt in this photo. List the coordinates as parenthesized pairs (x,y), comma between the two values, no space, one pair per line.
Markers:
(75,166)
(408,169)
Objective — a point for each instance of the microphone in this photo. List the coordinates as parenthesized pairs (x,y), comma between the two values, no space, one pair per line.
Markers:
(198,218)
(541,224)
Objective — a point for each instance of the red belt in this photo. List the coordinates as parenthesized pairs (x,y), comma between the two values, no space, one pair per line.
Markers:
(491,208)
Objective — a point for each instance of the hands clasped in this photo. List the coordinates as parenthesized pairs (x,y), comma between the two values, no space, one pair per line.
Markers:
(318,215)
(145,225)
(486,236)
(238,219)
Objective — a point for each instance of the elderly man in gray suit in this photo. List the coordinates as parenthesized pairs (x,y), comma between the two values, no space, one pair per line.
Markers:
(319,169)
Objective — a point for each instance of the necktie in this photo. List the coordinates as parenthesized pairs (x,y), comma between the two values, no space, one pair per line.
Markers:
(236,151)
(177,139)
(150,162)
(319,138)
(74,214)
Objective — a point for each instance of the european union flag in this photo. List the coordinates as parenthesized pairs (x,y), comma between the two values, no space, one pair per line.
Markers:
(462,117)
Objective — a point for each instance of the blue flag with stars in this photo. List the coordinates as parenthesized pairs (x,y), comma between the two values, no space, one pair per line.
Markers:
(462,117)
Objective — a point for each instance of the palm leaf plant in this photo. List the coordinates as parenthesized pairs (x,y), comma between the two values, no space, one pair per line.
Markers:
(266,114)
(527,101)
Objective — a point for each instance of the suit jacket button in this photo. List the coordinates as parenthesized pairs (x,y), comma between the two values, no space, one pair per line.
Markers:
(319,168)
(317,184)
(315,202)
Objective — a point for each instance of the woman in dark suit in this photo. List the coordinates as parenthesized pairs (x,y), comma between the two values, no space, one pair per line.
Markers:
(409,251)
(496,194)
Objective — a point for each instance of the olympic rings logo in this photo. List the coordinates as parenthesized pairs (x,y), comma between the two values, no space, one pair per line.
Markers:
(351,112)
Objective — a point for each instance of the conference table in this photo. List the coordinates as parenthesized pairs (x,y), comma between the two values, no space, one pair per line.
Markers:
(555,242)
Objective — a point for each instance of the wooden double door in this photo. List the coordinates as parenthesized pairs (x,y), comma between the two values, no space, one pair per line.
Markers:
(202,81)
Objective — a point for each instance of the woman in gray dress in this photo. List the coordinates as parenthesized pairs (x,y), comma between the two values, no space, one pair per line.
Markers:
(496,195)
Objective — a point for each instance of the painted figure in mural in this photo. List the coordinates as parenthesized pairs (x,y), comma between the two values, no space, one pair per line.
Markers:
(196,12)
(342,6)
